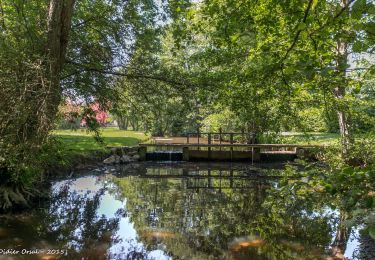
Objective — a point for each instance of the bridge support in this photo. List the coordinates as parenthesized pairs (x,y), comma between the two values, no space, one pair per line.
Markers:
(189,154)
(142,150)
(256,154)
(185,153)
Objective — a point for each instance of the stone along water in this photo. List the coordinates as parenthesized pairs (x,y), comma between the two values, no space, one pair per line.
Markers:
(176,211)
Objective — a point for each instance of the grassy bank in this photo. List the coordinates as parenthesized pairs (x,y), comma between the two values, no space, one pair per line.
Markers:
(318,138)
(81,142)
(313,138)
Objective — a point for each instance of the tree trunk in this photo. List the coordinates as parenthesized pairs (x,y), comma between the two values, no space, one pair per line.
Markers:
(340,90)
(44,79)
(346,139)
(123,122)
(134,124)
(59,23)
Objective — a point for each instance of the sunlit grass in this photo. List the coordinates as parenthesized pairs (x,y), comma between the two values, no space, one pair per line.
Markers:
(82,141)
(313,138)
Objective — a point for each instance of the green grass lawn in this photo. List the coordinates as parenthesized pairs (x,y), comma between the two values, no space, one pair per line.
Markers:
(310,138)
(316,138)
(82,142)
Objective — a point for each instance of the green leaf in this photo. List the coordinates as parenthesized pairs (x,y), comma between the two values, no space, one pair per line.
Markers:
(314,4)
(357,46)
(359,7)
(235,37)
(301,26)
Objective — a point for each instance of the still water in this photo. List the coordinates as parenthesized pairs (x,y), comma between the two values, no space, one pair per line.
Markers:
(180,211)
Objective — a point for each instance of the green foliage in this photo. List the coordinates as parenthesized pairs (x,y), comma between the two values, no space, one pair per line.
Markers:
(362,154)
(350,181)
(312,120)
(20,182)
(225,120)
(274,63)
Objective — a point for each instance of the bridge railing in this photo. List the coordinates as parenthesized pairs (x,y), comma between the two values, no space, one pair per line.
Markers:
(220,138)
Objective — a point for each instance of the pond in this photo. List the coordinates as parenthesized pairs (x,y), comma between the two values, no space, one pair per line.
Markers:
(181,211)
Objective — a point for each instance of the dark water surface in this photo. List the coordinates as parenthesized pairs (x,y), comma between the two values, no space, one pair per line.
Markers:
(179,211)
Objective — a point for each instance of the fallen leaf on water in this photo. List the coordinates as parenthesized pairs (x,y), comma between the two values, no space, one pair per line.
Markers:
(158,234)
(246,242)
(47,257)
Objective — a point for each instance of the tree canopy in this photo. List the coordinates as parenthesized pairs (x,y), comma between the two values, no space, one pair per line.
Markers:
(175,66)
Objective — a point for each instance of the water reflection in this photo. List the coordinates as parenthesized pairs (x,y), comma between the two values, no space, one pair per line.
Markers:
(181,211)
(212,210)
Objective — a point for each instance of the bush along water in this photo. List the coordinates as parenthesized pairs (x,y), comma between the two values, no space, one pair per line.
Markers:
(23,172)
(348,182)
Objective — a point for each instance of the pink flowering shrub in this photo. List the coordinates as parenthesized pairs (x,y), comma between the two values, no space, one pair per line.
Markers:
(74,115)
(97,113)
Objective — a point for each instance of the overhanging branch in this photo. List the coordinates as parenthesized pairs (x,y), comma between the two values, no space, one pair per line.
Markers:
(83,67)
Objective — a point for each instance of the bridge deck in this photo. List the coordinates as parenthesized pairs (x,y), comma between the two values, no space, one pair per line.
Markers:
(232,145)
(194,148)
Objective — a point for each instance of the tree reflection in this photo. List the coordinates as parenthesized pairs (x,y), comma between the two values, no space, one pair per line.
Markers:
(201,213)
(341,237)
(70,221)
(75,224)
(205,218)
(366,249)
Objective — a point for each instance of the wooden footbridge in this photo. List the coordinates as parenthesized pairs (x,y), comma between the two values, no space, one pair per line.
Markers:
(222,147)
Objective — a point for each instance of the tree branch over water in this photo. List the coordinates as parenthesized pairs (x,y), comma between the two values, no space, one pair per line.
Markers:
(84,67)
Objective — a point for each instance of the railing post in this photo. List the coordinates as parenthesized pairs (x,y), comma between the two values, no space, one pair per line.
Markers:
(231,148)
(198,139)
(209,148)
(220,137)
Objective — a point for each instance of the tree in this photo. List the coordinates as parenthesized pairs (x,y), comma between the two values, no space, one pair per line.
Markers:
(263,56)
(32,60)
(50,50)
